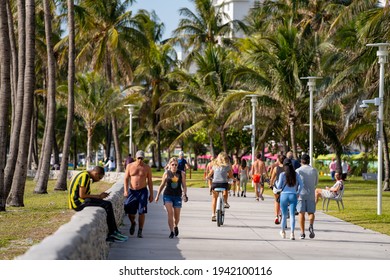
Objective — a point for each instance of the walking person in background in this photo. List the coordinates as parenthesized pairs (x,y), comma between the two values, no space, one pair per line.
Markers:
(80,197)
(236,170)
(332,168)
(207,170)
(345,169)
(295,162)
(138,176)
(275,172)
(243,176)
(259,173)
(291,185)
(129,160)
(306,200)
(174,182)
(110,164)
(183,164)
(221,172)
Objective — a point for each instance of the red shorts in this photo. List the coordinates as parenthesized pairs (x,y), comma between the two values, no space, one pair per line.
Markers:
(256,178)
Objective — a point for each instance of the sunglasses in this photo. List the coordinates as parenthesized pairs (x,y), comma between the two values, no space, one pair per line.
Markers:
(173,164)
(140,158)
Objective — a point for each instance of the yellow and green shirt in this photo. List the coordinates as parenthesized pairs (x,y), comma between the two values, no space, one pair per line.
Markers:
(80,180)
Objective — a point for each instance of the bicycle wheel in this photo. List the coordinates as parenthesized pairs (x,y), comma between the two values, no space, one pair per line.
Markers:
(219,218)
(222,215)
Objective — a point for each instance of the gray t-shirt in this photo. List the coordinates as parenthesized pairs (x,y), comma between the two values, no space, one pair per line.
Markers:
(309,177)
(221,174)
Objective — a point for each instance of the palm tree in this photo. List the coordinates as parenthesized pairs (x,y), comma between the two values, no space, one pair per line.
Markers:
(111,39)
(95,99)
(207,25)
(5,96)
(284,57)
(18,101)
(199,101)
(62,178)
(152,73)
(16,194)
(44,171)
(92,97)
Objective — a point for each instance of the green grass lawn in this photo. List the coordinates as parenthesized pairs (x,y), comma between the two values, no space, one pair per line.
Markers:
(22,227)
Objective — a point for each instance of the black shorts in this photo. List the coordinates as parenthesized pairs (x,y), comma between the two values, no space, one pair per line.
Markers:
(220,185)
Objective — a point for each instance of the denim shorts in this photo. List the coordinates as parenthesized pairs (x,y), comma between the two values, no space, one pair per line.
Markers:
(176,201)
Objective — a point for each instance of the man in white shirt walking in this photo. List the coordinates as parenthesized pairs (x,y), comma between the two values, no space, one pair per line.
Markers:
(306,200)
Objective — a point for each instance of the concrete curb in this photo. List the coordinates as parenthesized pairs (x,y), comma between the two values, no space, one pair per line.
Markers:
(84,237)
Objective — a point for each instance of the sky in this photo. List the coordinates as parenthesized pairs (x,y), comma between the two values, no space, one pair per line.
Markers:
(167,11)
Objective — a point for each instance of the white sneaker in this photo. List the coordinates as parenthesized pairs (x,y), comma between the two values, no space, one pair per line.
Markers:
(292,236)
(282,234)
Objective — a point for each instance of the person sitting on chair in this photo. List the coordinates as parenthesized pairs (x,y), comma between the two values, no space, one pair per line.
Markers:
(332,192)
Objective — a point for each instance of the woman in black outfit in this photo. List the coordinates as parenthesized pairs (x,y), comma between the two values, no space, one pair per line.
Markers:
(174,182)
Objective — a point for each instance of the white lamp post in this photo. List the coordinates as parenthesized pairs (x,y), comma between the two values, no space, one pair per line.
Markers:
(131,111)
(312,87)
(382,54)
(253,127)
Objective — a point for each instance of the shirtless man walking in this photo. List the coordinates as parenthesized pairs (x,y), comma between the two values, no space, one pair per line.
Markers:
(259,174)
(136,192)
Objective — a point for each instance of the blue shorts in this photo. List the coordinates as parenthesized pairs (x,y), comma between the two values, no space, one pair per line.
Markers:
(308,206)
(176,201)
(137,201)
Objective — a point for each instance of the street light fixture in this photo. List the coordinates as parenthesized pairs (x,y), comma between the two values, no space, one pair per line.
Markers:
(382,54)
(130,108)
(312,87)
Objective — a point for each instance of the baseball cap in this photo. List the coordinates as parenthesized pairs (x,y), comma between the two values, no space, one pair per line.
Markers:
(140,154)
(181,153)
(287,161)
(306,158)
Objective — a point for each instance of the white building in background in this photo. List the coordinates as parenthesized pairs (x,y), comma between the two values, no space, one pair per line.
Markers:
(236,10)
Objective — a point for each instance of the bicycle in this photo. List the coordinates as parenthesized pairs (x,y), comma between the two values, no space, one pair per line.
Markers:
(220,209)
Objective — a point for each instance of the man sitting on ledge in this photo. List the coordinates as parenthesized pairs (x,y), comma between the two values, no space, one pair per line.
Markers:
(80,197)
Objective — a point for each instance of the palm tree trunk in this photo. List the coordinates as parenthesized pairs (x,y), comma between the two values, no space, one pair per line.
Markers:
(75,158)
(292,135)
(56,150)
(44,141)
(212,147)
(5,96)
(224,142)
(386,186)
(159,164)
(108,138)
(89,146)
(61,183)
(14,55)
(43,177)
(33,146)
(17,121)
(18,183)
(118,153)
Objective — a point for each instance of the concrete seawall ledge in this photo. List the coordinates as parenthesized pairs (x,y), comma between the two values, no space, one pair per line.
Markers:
(84,236)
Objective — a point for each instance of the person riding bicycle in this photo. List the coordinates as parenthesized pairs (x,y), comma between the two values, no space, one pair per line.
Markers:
(220,173)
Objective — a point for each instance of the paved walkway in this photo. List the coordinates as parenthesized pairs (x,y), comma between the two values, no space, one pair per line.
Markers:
(249,233)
